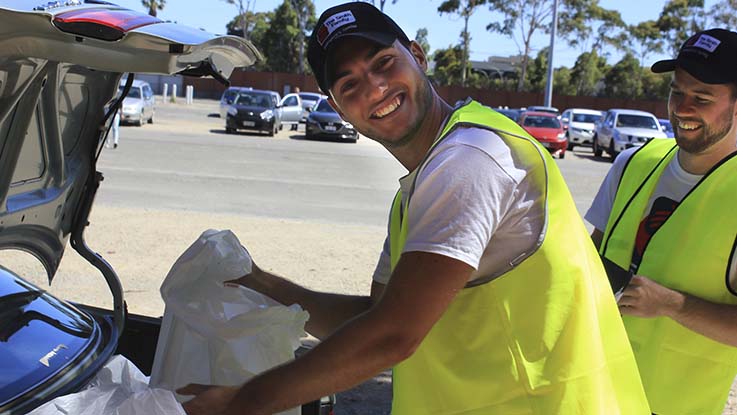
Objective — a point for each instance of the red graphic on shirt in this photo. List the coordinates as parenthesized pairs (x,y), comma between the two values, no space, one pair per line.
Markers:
(662,208)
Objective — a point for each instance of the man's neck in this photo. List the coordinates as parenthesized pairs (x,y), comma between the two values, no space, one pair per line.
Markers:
(412,154)
(703,162)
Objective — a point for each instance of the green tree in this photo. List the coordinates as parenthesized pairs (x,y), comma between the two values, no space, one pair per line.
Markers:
(588,70)
(679,20)
(523,18)
(463,8)
(448,65)
(305,10)
(421,38)
(723,14)
(259,23)
(153,6)
(244,12)
(562,81)
(281,40)
(619,81)
(537,73)
(589,27)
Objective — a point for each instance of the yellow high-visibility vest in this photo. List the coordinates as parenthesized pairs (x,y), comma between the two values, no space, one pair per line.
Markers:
(683,372)
(544,338)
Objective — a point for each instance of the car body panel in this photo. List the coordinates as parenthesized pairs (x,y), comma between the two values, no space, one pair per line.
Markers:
(580,124)
(547,129)
(667,127)
(309,100)
(291,109)
(325,122)
(621,129)
(57,98)
(254,110)
(139,104)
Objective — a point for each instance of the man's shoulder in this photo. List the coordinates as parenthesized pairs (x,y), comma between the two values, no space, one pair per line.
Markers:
(474,137)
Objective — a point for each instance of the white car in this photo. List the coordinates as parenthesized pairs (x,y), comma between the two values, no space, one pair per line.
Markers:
(580,124)
(138,106)
(622,129)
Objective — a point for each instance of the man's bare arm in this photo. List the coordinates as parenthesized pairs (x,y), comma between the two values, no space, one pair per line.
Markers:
(421,288)
(328,311)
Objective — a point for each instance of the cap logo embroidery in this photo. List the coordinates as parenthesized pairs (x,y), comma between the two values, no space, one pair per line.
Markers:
(332,23)
(707,43)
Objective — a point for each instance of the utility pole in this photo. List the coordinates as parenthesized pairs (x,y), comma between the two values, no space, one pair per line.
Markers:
(549,83)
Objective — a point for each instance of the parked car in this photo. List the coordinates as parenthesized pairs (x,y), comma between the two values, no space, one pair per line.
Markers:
(139,104)
(512,114)
(290,109)
(580,124)
(309,100)
(547,129)
(542,108)
(64,68)
(622,129)
(253,110)
(228,97)
(325,122)
(667,127)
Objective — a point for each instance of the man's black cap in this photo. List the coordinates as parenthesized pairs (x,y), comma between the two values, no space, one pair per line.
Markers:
(350,19)
(709,56)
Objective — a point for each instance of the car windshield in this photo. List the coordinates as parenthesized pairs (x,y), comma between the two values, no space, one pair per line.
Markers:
(587,118)
(636,121)
(323,106)
(133,93)
(255,100)
(541,122)
(309,97)
(667,126)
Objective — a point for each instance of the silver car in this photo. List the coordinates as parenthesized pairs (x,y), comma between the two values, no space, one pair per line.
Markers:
(622,129)
(139,105)
(580,124)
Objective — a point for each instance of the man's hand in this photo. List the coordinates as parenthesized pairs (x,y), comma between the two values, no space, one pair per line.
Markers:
(644,297)
(208,400)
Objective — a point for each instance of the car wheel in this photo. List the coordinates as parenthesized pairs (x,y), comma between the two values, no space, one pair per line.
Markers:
(597,149)
(272,131)
(612,154)
(151,120)
(562,155)
(229,130)
(139,121)
(570,144)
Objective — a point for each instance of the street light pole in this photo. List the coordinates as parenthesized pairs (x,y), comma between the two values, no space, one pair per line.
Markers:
(549,84)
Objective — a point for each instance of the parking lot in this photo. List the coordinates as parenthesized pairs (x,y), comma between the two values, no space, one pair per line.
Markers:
(312,210)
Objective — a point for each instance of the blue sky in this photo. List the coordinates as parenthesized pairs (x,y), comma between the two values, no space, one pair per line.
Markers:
(212,15)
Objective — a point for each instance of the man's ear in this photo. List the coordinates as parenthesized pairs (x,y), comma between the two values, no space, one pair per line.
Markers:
(335,106)
(416,50)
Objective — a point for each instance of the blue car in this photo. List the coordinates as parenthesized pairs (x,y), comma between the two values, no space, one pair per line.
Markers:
(667,127)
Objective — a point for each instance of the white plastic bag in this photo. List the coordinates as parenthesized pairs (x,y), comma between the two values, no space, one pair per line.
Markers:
(119,388)
(215,333)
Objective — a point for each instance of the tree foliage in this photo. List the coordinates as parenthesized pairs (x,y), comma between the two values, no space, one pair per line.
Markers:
(679,20)
(381,3)
(723,14)
(153,6)
(619,81)
(421,39)
(463,8)
(448,65)
(521,20)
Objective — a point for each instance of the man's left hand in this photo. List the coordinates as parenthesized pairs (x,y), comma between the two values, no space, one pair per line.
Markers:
(208,400)
(644,297)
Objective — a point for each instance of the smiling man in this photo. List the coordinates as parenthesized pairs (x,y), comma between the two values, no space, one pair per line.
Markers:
(666,212)
(488,297)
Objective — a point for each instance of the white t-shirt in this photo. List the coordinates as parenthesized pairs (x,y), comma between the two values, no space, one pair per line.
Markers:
(473,201)
(674,185)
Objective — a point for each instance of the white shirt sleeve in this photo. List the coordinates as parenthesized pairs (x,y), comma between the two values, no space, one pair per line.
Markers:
(601,207)
(459,199)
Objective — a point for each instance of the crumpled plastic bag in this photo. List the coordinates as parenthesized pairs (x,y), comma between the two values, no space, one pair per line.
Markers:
(119,388)
(215,333)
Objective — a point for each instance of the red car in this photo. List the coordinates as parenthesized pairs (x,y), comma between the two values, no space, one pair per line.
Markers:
(547,129)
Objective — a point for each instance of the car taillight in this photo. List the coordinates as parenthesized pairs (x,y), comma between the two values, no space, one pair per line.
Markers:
(103,24)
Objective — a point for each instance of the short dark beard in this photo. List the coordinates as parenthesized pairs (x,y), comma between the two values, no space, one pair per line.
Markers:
(424,99)
(709,135)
